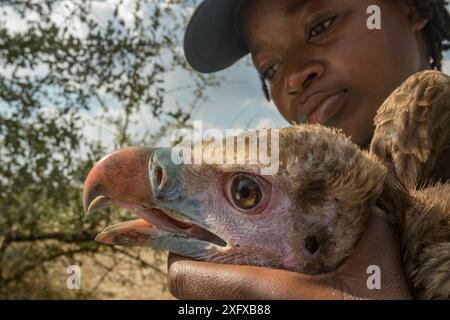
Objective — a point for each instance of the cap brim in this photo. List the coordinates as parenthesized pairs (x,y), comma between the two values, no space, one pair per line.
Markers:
(212,41)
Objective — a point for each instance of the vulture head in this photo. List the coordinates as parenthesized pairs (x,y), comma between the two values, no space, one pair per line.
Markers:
(306,217)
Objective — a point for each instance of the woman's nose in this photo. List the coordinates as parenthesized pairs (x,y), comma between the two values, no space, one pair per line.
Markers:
(299,78)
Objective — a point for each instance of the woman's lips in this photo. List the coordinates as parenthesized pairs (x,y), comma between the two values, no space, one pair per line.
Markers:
(322,110)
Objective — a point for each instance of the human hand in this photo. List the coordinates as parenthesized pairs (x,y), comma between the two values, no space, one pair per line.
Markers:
(379,245)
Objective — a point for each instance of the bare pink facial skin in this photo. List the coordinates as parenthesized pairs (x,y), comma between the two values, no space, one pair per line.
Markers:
(307,217)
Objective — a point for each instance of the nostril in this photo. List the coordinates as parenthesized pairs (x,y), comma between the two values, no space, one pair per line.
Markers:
(308,80)
(312,244)
(159,172)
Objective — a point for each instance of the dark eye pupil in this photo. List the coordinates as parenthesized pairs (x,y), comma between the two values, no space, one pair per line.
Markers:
(269,74)
(318,29)
(246,192)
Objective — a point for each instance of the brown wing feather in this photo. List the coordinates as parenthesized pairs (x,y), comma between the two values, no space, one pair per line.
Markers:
(413,126)
(413,132)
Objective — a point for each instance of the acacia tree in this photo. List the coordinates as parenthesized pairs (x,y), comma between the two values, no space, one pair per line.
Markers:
(60,65)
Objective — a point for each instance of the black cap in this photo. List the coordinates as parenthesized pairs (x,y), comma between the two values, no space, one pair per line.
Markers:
(213,41)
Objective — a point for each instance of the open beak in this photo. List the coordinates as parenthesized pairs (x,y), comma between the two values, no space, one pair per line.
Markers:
(124,178)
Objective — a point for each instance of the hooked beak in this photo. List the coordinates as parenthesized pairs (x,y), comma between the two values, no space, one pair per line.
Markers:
(123,178)
(121,175)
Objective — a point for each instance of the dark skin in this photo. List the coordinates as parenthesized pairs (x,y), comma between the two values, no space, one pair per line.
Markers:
(325,46)
(311,52)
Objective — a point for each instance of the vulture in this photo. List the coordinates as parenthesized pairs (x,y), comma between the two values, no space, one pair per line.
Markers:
(309,215)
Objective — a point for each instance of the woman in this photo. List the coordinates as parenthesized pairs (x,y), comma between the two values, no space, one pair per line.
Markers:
(321,61)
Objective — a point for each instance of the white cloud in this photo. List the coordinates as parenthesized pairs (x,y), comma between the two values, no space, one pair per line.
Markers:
(446,66)
(265,123)
(239,101)
(13,21)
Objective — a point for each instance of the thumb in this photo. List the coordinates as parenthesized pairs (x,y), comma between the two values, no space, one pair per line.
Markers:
(378,251)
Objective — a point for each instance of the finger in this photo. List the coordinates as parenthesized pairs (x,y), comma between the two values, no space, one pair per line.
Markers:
(378,251)
(189,279)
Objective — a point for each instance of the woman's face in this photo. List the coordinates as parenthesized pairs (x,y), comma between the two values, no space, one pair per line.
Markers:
(324,65)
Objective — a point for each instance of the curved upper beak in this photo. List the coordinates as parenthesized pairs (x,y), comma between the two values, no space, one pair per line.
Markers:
(124,175)
(134,178)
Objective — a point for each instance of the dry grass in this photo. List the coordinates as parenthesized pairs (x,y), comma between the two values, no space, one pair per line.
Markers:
(127,280)
(102,277)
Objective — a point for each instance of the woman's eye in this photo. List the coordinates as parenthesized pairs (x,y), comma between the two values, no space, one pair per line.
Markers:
(246,193)
(321,27)
(270,72)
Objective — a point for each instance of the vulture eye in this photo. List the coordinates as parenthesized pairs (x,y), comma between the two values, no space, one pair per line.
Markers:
(245,192)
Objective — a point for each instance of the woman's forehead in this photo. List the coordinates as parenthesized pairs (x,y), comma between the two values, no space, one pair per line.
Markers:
(259,18)
(269,13)
(257,7)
